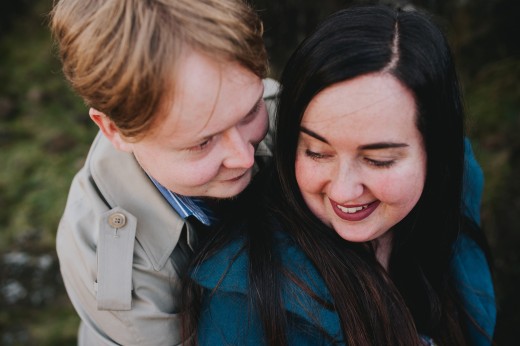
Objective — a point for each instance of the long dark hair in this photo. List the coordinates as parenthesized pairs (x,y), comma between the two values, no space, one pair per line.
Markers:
(410,47)
(416,294)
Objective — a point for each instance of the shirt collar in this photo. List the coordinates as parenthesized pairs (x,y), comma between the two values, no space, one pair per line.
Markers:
(186,206)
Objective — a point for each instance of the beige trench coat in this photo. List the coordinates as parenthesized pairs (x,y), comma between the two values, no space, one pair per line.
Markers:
(122,249)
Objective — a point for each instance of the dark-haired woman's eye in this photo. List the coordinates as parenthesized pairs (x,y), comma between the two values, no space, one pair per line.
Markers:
(379,163)
(314,155)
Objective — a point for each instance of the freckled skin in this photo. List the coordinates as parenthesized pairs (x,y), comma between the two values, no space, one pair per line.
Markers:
(350,117)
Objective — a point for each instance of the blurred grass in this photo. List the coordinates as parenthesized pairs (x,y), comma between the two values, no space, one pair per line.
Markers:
(45,133)
(44,136)
(55,325)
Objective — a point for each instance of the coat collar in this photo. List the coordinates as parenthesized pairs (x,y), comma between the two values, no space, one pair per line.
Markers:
(122,183)
(228,271)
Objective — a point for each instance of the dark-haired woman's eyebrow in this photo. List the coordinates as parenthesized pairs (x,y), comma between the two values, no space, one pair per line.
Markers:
(382,145)
(371,146)
(313,134)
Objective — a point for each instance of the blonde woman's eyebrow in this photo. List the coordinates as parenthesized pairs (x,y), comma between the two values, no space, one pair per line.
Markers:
(256,105)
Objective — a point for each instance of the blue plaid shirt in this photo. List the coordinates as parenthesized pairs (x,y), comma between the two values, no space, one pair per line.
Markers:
(187,206)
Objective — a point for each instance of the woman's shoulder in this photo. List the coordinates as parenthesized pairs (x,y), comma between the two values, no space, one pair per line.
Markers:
(304,293)
(228,268)
(298,265)
(474,283)
(470,265)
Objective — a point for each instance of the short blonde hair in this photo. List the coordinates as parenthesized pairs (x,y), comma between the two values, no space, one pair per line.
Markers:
(120,55)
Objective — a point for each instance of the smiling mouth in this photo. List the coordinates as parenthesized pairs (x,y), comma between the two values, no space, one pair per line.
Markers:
(352,210)
(354,213)
(238,177)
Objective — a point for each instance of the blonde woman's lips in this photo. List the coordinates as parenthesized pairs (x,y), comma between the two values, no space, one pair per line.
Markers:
(236,178)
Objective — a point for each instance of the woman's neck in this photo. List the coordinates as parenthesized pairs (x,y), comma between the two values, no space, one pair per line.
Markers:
(383,248)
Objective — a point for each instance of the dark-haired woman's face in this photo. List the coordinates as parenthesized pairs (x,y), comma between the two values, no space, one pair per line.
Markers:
(360,161)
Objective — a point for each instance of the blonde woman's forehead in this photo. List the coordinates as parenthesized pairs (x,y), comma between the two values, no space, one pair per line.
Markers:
(207,98)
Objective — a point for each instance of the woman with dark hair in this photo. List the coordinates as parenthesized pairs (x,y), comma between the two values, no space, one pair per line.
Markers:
(359,236)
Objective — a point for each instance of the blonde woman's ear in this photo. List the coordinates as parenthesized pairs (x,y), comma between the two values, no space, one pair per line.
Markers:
(110,130)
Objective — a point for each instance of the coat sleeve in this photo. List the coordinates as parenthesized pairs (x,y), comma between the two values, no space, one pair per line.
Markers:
(475,285)
(150,318)
(473,184)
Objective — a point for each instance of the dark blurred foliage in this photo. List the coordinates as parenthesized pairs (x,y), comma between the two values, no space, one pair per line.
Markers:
(10,11)
(481,30)
(45,133)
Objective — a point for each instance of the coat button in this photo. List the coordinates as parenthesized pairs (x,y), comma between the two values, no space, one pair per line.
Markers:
(117,220)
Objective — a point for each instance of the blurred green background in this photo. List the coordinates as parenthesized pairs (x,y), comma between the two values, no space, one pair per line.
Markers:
(45,133)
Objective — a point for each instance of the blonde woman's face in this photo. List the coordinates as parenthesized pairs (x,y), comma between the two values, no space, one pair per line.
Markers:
(361,162)
(205,143)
